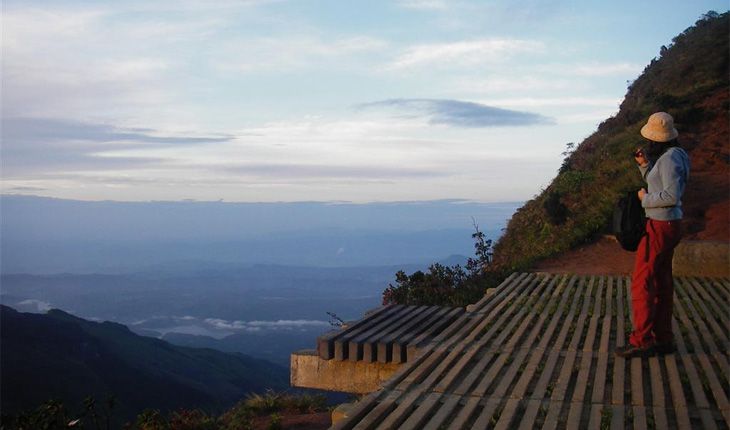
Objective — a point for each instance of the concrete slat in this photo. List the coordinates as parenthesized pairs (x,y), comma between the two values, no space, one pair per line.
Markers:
(657,383)
(660,418)
(637,382)
(341,342)
(601,375)
(639,418)
(536,354)
(326,342)
(375,416)
(432,326)
(461,421)
(594,420)
(617,418)
(484,420)
(405,407)
(710,309)
(385,342)
(507,415)
(595,318)
(675,388)
(446,328)
(447,408)
(418,418)
(364,346)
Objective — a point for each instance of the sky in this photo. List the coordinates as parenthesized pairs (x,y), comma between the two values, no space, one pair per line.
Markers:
(308,100)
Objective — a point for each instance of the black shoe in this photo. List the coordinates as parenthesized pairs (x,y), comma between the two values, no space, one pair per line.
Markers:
(631,351)
(663,348)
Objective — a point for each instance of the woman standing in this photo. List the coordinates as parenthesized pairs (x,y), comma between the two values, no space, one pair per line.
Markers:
(665,167)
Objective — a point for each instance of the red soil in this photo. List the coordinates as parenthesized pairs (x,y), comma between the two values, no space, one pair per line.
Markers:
(601,258)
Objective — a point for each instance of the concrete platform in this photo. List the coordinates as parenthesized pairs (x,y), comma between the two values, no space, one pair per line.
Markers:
(309,370)
(539,354)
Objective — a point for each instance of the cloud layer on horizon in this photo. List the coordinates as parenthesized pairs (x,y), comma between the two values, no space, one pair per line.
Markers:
(47,145)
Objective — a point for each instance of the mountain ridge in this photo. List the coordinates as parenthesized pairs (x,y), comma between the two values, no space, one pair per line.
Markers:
(58,355)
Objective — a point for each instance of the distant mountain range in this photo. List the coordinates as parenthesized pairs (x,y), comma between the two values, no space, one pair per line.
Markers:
(57,355)
(43,235)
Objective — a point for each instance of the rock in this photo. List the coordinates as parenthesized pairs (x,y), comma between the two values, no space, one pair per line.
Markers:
(701,258)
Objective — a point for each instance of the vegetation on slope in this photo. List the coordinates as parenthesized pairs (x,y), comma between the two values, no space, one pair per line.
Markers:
(270,410)
(577,205)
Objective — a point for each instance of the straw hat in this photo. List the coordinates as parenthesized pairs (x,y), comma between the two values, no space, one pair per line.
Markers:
(660,128)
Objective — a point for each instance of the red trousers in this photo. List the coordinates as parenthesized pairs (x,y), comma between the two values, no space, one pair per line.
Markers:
(652,285)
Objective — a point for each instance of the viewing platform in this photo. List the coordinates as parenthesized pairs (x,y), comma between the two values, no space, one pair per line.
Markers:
(538,353)
(360,356)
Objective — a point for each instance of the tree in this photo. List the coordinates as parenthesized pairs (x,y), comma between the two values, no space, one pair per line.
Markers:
(448,285)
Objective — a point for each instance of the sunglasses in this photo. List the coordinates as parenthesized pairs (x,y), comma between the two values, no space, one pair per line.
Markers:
(639,153)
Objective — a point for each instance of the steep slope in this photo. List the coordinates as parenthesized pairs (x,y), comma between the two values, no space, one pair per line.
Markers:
(60,356)
(690,80)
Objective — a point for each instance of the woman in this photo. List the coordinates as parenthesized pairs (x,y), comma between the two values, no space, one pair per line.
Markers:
(665,167)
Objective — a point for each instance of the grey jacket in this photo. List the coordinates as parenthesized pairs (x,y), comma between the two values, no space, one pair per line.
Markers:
(667,179)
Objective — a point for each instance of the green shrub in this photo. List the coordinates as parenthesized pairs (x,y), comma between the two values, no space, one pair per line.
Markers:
(275,422)
(152,419)
(448,285)
(51,415)
(556,211)
(195,419)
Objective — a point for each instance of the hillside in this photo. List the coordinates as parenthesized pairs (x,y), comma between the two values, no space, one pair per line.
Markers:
(58,355)
(690,81)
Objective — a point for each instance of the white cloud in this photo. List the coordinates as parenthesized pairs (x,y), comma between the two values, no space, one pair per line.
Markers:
(594,116)
(460,113)
(462,53)
(131,69)
(264,325)
(423,4)
(608,69)
(76,63)
(36,305)
(553,101)
(286,54)
(518,83)
(592,69)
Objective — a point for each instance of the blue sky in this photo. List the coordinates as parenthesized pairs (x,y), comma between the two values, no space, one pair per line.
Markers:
(266,100)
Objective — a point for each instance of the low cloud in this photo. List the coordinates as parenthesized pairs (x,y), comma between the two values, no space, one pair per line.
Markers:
(460,113)
(423,4)
(558,101)
(264,325)
(32,305)
(35,129)
(469,52)
(605,69)
(23,189)
(46,144)
(321,171)
(292,53)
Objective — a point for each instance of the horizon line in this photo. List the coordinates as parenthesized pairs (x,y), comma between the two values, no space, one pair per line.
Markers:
(321,202)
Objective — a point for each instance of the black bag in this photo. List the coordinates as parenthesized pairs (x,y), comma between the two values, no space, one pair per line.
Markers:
(629,221)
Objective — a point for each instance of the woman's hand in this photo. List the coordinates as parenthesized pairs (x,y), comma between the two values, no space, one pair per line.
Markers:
(641,194)
(640,157)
